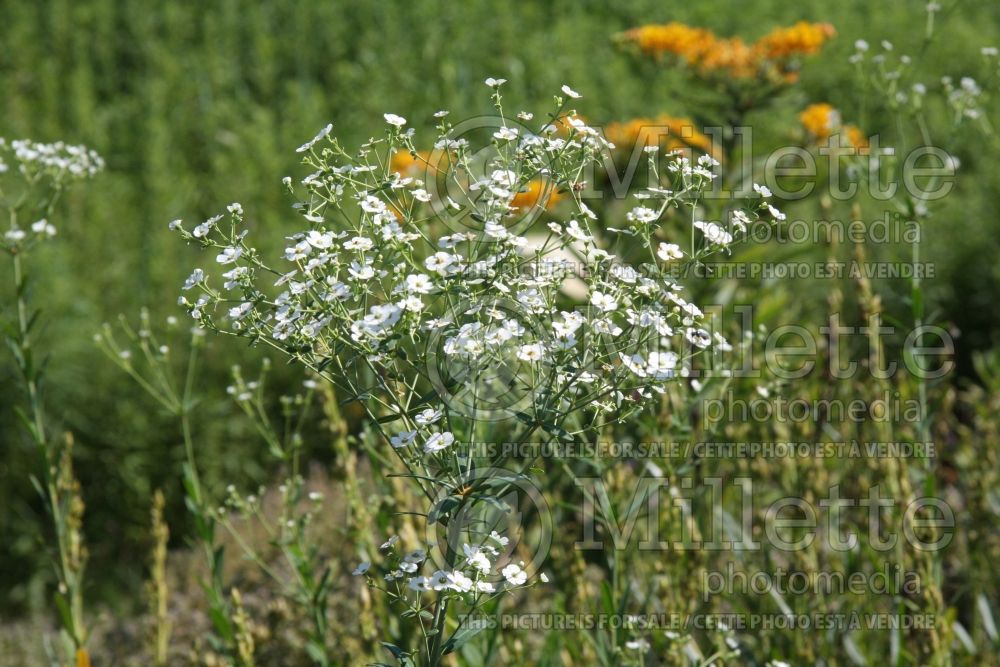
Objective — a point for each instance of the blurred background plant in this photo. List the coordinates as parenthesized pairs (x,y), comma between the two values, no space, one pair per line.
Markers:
(193,104)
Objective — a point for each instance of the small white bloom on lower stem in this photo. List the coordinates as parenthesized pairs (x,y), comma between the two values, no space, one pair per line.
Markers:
(438,441)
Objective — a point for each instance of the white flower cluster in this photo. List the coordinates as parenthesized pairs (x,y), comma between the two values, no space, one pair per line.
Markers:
(390,278)
(965,98)
(40,166)
(40,229)
(58,160)
(476,573)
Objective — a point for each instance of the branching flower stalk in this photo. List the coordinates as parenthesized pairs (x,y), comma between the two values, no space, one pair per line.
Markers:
(32,178)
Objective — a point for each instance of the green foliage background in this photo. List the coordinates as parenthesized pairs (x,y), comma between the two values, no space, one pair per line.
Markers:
(195,104)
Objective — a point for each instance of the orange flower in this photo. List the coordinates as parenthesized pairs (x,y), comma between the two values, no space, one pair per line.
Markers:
(709,53)
(803,38)
(680,133)
(820,120)
(537,192)
(406,164)
(677,38)
(856,138)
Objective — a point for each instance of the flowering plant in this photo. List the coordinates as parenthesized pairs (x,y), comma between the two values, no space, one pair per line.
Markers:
(456,314)
(33,175)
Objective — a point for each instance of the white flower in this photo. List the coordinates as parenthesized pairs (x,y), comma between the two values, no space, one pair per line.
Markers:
(499,539)
(389,543)
(698,337)
(419,283)
(714,233)
(196,277)
(394,120)
(457,581)
(569,92)
(669,251)
(229,255)
(642,214)
(312,142)
(360,243)
(440,262)
(514,575)
(402,439)
(15,235)
(637,645)
(475,557)
(532,353)
(202,230)
(485,587)
(778,215)
(762,190)
(361,569)
(419,584)
(495,83)
(506,133)
(372,204)
(427,417)
(416,556)
(861,45)
(573,229)
(438,441)
(661,365)
(240,311)
(320,240)
(43,227)
(361,271)
(603,301)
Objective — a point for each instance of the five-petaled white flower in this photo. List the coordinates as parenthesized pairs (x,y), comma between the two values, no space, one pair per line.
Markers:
(438,441)
(394,120)
(604,301)
(669,251)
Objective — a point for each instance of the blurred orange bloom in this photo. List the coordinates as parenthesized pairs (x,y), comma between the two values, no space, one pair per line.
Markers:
(803,38)
(537,192)
(709,53)
(680,133)
(822,120)
(409,165)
